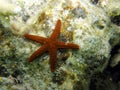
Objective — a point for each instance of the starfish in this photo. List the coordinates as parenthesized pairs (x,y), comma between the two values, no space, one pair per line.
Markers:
(50,44)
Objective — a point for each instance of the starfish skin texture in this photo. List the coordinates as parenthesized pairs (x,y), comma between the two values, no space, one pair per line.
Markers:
(50,44)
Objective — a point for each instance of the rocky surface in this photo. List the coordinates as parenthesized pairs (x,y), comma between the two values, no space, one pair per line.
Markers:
(92,24)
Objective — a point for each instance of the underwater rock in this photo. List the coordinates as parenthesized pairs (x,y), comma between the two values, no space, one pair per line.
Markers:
(91,24)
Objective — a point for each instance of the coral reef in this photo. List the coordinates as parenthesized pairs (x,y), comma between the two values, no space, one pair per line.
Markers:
(92,24)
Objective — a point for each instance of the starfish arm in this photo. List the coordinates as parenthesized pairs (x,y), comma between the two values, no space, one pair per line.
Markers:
(53,58)
(35,38)
(56,31)
(40,51)
(67,45)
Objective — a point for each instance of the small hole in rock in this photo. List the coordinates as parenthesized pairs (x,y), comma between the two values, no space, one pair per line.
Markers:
(116,20)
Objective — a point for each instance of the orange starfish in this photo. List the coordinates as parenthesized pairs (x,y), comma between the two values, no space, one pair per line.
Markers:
(51,45)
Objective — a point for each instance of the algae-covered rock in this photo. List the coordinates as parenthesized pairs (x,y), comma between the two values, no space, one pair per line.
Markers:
(7,9)
(91,24)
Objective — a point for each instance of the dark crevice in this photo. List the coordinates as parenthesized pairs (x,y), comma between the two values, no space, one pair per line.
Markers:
(94,1)
(116,20)
(108,79)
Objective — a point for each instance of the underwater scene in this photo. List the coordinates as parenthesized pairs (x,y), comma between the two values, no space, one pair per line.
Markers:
(59,44)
